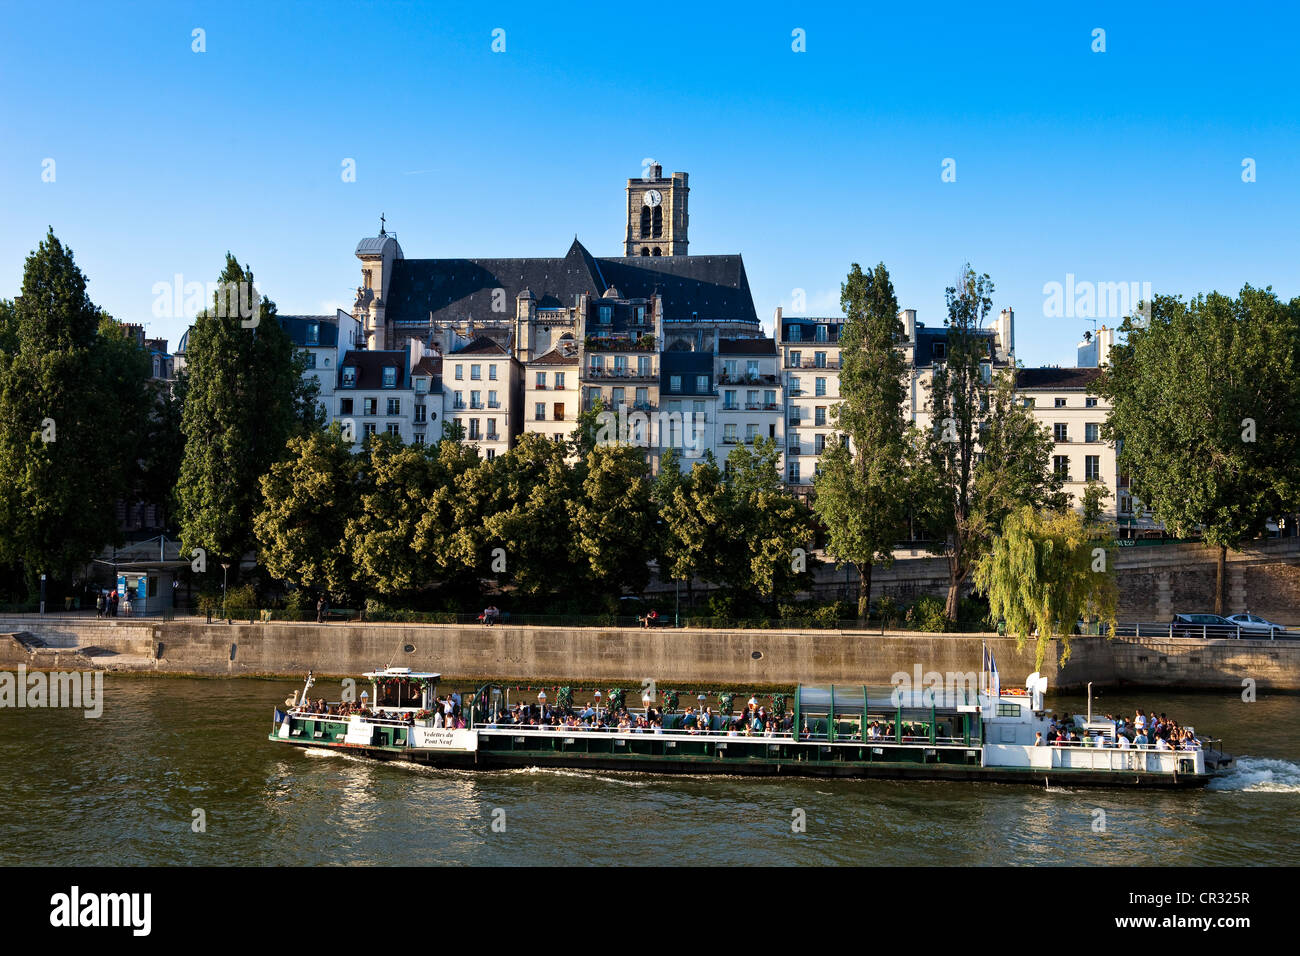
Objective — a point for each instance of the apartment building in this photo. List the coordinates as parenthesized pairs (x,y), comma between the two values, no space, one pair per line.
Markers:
(750,394)
(483,393)
(810,363)
(553,392)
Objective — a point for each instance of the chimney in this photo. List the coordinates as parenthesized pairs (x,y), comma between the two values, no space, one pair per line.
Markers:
(1005,329)
(1105,339)
(909,324)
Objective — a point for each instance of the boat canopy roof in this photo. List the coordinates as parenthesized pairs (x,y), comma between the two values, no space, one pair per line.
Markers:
(401,672)
(849,699)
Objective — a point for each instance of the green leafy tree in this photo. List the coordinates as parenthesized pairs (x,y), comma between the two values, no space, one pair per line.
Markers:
(1205,410)
(693,511)
(307,503)
(73,407)
(615,518)
(1045,571)
(860,496)
(986,453)
(246,397)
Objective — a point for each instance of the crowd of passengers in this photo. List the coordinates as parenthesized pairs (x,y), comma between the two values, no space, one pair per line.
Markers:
(446,711)
(755,721)
(1141,730)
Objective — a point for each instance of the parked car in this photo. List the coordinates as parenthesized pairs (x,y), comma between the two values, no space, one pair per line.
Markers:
(1203,625)
(1252,625)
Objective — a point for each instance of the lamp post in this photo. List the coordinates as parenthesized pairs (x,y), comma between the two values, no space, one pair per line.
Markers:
(225,566)
(677,608)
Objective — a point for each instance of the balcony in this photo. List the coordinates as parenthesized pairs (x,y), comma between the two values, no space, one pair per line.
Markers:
(620,374)
(764,379)
(459,406)
(598,343)
(476,405)
(812,363)
(493,404)
(795,450)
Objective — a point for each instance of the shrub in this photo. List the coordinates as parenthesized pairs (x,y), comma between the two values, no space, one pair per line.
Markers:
(927,614)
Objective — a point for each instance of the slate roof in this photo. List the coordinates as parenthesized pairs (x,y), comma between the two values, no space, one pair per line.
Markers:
(1056,378)
(296,327)
(481,346)
(370,367)
(556,356)
(746,347)
(808,329)
(708,287)
(689,365)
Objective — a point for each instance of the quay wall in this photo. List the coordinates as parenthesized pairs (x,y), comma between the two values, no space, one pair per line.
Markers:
(742,658)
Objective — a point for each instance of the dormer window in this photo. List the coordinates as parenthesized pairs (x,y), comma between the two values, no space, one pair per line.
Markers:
(390,377)
(349,376)
(313,333)
(606,314)
(821,333)
(940,351)
(796,333)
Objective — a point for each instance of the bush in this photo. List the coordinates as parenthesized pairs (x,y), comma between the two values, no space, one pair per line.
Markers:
(241,598)
(927,614)
(887,608)
(298,602)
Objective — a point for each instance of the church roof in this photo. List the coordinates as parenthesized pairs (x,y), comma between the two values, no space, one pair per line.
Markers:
(704,287)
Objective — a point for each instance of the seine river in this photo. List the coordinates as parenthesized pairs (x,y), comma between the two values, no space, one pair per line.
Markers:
(124,789)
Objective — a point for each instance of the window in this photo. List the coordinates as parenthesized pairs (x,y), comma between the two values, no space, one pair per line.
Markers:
(349,376)
(820,387)
(643,397)
(559,380)
(751,368)
(310,356)
(819,359)
(640,315)
(728,434)
(1061,432)
(616,398)
(751,433)
(390,377)
(473,428)
(729,368)
(794,469)
(1092,468)
(369,406)
(419,414)
(643,366)
(1029,403)
(1092,432)
(421,386)
(620,365)
(606,314)
(345,406)
(1008,710)
(674,383)
(819,415)
(794,385)
(751,398)
(476,372)
(819,443)
(492,373)
(939,351)
(460,373)
(558,410)
(491,453)
(796,359)
(796,333)
(492,399)
(418,439)
(1059,403)
(475,399)
(1125,504)
(459,399)
(1089,402)
(701,383)
(394,429)
(492,429)
(367,429)
(313,333)
(541,379)
(820,335)
(1061,466)
(769,397)
(394,406)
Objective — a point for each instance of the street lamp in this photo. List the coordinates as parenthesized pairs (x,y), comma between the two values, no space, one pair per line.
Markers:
(677,608)
(225,566)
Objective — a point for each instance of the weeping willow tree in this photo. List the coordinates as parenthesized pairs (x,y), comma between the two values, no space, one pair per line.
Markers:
(1047,570)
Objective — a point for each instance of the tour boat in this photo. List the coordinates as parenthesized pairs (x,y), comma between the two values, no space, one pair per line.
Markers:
(984,734)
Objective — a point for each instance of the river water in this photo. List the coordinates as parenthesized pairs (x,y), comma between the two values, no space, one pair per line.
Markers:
(124,789)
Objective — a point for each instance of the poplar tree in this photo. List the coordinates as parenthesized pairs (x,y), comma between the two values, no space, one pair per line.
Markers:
(860,495)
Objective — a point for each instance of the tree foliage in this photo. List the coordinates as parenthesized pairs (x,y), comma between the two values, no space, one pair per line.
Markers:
(1205,411)
(1045,571)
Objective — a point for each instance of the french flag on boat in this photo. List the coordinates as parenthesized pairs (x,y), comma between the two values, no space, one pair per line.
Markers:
(990,665)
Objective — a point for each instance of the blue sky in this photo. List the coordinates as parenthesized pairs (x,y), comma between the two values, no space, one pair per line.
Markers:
(1122,166)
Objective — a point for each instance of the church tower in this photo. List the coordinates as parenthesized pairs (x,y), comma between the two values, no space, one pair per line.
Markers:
(657,216)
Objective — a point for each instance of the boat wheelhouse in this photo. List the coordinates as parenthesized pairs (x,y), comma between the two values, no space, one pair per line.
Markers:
(829,730)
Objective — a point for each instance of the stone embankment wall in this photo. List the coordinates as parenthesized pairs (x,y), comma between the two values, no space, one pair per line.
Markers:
(743,658)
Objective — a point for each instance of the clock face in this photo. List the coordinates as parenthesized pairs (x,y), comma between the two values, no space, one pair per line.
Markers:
(653,197)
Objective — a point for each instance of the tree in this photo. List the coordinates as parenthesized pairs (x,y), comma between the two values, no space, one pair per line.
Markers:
(307,503)
(693,510)
(615,518)
(1205,413)
(860,494)
(73,407)
(1045,571)
(986,453)
(246,397)
(764,528)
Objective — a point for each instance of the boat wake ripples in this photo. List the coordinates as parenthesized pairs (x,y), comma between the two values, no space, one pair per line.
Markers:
(1260,774)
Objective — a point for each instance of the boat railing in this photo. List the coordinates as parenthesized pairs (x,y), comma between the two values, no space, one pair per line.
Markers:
(678,733)
(344,718)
